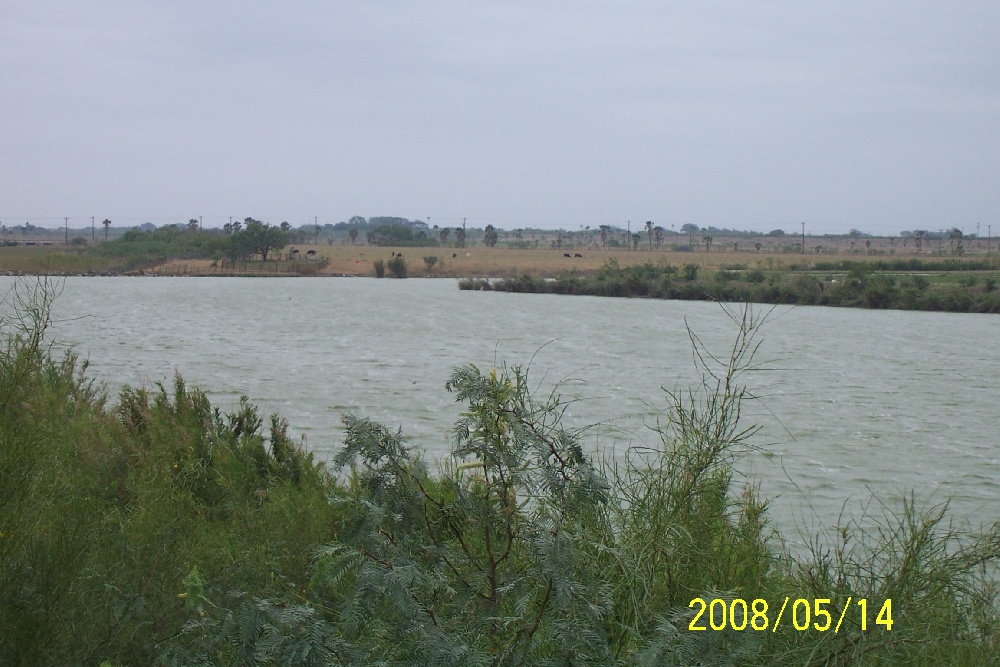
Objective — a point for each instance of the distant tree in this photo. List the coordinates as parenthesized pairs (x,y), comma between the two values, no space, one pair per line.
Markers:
(262,238)
(443,235)
(776,232)
(237,226)
(649,233)
(227,228)
(357,221)
(868,245)
(955,234)
(237,247)
(353,235)
(757,246)
(460,237)
(392,235)
(918,237)
(604,235)
(285,227)
(106,223)
(430,261)
(707,240)
(193,224)
(658,236)
(636,238)
(490,236)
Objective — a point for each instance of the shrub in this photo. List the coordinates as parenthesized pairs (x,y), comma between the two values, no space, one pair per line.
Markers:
(397,266)
(379,266)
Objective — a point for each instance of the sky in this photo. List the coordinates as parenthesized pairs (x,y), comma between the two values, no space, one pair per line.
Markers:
(749,114)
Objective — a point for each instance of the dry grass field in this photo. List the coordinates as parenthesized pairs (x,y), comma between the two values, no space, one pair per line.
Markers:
(478,261)
(482,262)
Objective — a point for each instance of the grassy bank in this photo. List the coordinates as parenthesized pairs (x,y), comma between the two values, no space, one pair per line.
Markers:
(947,286)
(153,529)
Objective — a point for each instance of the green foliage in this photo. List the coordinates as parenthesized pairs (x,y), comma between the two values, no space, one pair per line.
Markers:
(137,249)
(430,261)
(863,286)
(490,236)
(379,266)
(261,238)
(400,236)
(160,530)
(105,512)
(397,266)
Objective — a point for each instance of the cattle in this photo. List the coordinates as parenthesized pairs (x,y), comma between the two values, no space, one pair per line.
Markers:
(577,254)
(566,254)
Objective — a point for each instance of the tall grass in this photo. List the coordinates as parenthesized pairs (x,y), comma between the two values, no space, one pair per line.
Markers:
(153,528)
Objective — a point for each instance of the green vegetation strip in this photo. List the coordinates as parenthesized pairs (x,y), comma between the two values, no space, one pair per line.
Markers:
(154,529)
(857,285)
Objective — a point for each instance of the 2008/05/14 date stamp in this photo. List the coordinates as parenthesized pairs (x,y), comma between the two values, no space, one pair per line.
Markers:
(804,614)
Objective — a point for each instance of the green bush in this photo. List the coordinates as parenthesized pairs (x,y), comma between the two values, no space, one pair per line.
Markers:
(397,266)
(158,530)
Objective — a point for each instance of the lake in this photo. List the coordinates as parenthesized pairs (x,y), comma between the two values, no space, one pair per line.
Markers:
(850,400)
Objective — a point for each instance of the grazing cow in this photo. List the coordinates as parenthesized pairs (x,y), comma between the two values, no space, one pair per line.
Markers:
(454,255)
(566,254)
(576,254)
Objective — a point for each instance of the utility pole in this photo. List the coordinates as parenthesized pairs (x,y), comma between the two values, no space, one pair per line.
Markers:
(989,237)
(463,223)
(93,230)
(67,230)
(803,238)
(199,222)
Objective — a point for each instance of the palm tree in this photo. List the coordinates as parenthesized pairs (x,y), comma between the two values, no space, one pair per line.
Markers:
(649,233)
(953,235)
(460,237)
(107,224)
(604,236)
(353,235)
(445,231)
(707,239)
(285,226)
(658,236)
(192,224)
(490,236)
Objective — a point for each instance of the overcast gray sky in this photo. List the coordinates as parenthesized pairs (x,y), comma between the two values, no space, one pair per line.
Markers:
(882,115)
